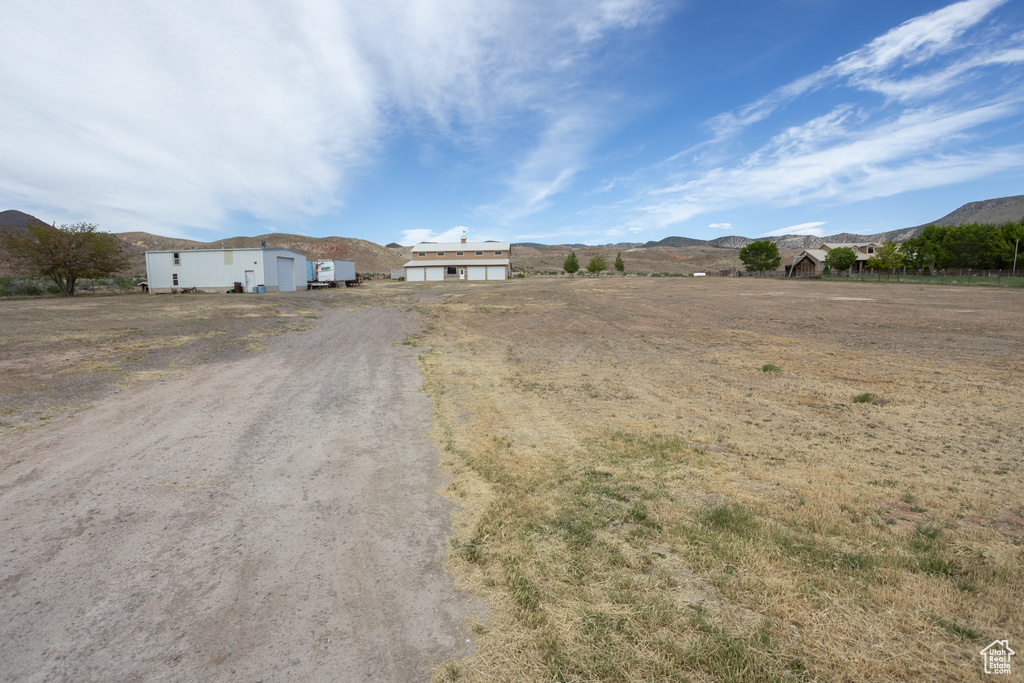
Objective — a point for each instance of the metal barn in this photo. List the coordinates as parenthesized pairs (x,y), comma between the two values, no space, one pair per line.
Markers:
(217,270)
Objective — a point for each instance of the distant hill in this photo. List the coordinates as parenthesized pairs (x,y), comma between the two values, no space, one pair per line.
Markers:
(16,220)
(993,211)
(368,256)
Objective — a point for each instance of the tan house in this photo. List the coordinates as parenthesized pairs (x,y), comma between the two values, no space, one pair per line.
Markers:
(812,261)
(435,262)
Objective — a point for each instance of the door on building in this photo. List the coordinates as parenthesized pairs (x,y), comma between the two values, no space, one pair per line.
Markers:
(250,280)
(285,275)
(462,273)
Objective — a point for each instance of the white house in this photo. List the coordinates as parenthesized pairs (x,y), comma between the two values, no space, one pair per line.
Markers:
(217,270)
(459,261)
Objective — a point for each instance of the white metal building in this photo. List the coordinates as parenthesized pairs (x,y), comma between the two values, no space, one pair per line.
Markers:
(434,262)
(217,270)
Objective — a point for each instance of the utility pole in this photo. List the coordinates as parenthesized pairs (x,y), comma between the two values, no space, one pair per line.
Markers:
(1015,245)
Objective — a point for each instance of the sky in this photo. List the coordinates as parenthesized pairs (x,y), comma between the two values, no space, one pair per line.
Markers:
(551,121)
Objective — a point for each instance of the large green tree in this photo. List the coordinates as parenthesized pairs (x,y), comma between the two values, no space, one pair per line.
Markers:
(620,265)
(840,259)
(597,264)
(969,246)
(760,256)
(887,258)
(64,253)
(571,264)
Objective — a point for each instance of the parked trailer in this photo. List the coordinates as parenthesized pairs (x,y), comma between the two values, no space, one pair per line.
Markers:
(331,273)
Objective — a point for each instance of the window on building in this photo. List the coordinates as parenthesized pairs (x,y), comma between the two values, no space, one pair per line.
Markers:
(479,253)
(871,250)
(440,253)
(422,253)
(451,270)
(497,253)
(176,258)
(460,253)
(174,279)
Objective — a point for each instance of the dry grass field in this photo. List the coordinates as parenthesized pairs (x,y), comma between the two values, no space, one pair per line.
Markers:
(731,479)
(59,355)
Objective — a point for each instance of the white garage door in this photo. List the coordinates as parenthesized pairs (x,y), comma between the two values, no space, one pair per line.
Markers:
(477,272)
(414,274)
(435,274)
(285,275)
(495,272)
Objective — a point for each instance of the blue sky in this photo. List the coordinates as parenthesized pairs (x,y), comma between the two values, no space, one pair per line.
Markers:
(552,121)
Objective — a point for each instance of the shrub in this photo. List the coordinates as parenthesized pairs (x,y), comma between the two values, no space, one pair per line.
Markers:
(771,367)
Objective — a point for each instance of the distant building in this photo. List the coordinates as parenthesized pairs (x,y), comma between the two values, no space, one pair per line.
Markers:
(435,262)
(217,270)
(812,261)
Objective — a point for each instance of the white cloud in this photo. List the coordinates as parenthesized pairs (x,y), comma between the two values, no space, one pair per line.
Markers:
(721,226)
(801,229)
(926,134)
(455,234)
(183,114)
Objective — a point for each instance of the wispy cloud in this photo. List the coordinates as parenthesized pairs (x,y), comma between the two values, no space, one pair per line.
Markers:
(191,112)
(801,229)
(923,134)
(721,226)
(417,235)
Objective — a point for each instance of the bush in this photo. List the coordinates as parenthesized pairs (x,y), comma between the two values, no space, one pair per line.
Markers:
(771,367)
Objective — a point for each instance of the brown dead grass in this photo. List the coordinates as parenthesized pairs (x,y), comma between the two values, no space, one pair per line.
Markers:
(57,356)
(641,501)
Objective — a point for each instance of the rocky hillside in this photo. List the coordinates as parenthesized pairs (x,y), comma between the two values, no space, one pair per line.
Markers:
(368,256)
(994,211)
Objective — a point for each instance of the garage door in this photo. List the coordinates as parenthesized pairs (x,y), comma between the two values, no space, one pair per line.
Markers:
(477,272)
(285,275)
(495,272)
(414,274)
(435,274)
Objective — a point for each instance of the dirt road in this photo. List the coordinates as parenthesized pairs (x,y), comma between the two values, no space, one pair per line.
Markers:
(271,518)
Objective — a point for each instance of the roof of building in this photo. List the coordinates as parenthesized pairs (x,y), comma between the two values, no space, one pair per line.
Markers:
(851,245)
(461,246)
(455,261)
(820,254)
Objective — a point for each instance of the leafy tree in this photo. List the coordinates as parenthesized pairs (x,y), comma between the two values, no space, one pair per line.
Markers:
(1008,241)
(840,259)
(620,265)
(760,256)
(915,253)
(597,264)
(64,253)
(888,258)
(969,246)
(934,253)
(571,264)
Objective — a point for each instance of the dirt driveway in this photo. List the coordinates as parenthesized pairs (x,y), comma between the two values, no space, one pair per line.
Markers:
(270,518)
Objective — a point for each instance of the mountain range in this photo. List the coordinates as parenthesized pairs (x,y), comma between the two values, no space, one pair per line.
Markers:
(994,211)
(371,257)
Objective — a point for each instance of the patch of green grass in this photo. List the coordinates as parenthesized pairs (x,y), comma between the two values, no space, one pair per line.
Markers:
(734,519)
(866,397)
(771,368)
(962,632)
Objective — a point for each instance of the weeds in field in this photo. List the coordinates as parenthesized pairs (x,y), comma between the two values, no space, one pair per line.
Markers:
(771,368)
(714,525)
